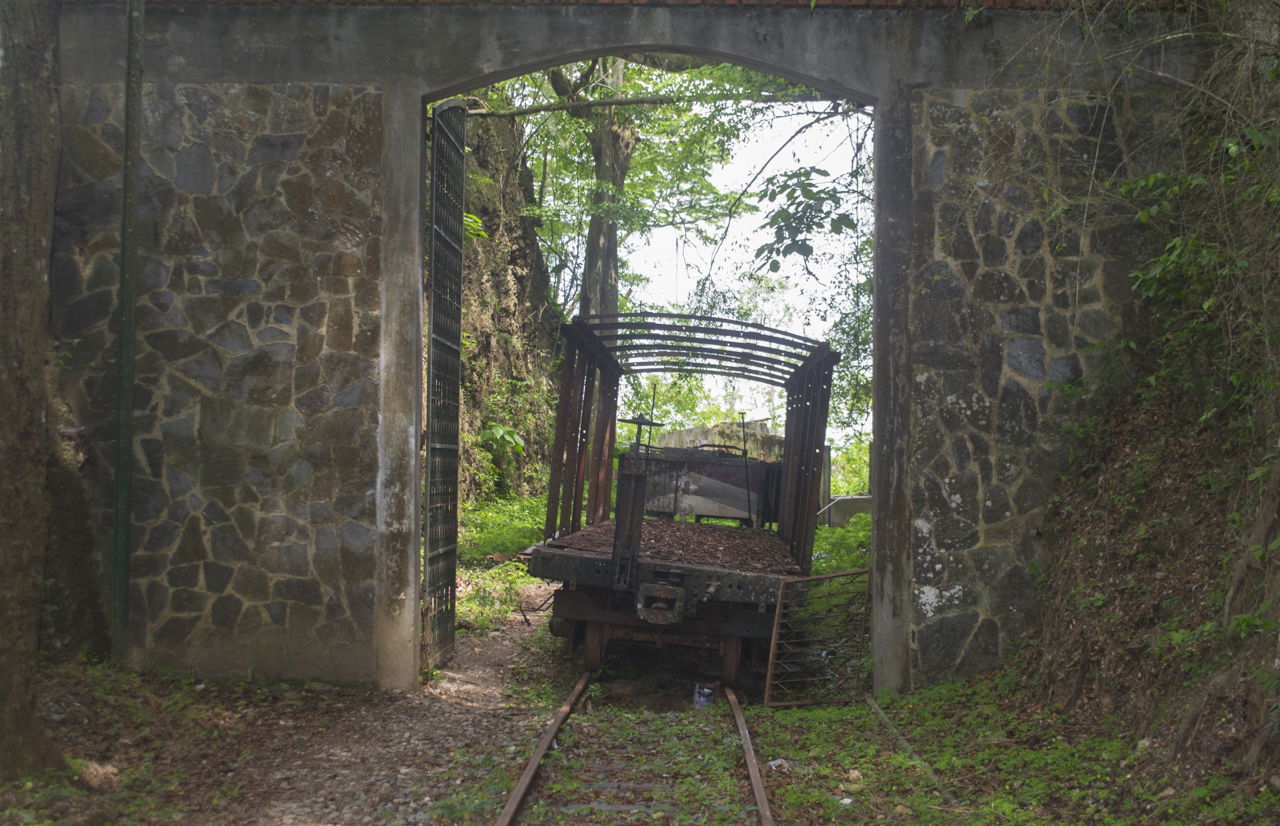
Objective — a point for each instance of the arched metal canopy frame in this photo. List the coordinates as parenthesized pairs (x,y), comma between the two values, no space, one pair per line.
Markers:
(601,349)
(654,342)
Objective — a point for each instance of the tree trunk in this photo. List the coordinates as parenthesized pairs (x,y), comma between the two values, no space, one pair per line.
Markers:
(612,142)
(28,157)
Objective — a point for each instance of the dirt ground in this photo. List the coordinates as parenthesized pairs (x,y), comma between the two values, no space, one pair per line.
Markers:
(146,748)
(151,749)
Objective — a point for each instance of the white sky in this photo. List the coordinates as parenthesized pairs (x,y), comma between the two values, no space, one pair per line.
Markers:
(673,266)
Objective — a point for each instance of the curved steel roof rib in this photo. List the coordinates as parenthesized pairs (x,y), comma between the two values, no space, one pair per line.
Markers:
(674,343)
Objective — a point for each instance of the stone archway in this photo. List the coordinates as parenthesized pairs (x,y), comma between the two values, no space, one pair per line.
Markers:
(284,297)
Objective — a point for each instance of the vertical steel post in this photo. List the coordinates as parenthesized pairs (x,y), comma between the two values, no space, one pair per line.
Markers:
(126,342)
(551,527)
(572,449)
(584,437)
(628,525)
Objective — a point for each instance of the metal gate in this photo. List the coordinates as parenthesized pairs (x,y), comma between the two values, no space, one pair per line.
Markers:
(444,372)
(821,649)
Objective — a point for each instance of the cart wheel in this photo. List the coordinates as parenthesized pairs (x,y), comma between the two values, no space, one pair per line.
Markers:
(731,657)
(593,646)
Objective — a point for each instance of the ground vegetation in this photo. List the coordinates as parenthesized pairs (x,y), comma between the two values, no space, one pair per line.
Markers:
(151,748)
(1160,575)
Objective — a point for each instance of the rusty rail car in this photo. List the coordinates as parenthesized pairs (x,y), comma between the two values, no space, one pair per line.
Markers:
(665,580)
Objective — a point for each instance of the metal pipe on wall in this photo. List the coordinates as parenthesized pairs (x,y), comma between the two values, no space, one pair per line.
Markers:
(126,343)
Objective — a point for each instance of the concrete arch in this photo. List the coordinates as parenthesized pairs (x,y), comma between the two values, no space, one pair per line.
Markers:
(858,95)
(953,100)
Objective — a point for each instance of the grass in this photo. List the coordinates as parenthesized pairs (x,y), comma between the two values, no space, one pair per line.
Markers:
(499,526)
(1004,762)
(487,596)
(1000,758)
(489,583)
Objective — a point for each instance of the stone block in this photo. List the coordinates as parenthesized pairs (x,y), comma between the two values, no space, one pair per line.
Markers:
(296,589)
(183,576)
(1025,355)
(995,505)
(144,565)
(940,643)
(1025,320)
(1017,420)
(953,534)
(982,653)
(157,599)
(217,576)
(226,611)
(251,583)
(86,313)
(188,601)
(1014,595)
(290,558)
(174,632)
(162,536)
(1065,369)
(998,287)
(360,606)
(191,545)
(228,545)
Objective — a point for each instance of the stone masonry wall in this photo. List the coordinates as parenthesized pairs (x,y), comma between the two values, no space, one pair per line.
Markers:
(1027,275)
(257,379)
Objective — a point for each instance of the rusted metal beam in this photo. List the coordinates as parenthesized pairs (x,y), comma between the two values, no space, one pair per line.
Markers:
(561,438)
(629,319)
(627,526)
(602,464)
(678,346)
(584,438)
(582,334)
(678,332)
(711,371)
(571,422)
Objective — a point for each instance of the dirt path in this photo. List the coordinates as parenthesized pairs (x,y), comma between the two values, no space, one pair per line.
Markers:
(389,758)
(152,749)
(148,748)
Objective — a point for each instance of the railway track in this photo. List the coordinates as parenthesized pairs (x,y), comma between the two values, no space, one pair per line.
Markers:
(696,766)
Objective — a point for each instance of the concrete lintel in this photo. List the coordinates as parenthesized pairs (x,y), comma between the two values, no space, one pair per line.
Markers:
(447,49)
(397,618)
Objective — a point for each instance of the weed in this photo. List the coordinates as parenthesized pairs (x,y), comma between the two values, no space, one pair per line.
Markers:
(487,596)
(501,526)
(844,548)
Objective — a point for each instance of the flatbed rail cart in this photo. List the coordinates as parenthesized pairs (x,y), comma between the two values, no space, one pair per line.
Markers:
(665,579)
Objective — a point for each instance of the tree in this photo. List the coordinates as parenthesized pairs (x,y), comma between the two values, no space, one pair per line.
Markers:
(613,138)
(618,146)
(822,223)
(28,158)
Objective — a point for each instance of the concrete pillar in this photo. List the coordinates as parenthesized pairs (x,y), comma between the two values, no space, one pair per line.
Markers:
(891,396)
(397,619)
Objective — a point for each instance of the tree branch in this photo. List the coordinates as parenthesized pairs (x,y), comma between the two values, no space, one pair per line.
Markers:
(645,100)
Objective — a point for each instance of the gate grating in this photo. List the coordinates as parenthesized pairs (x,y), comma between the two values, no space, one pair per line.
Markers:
(444,372)
(821,649)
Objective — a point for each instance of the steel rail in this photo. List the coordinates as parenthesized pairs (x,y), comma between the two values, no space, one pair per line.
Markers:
(753,765)
(521,791)
(508,815)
